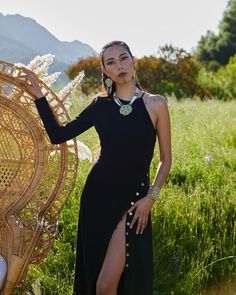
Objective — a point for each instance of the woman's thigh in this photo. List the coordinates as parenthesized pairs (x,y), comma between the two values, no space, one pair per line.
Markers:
(114,261)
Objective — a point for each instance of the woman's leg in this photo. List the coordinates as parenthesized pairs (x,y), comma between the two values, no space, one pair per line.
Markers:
(114,262)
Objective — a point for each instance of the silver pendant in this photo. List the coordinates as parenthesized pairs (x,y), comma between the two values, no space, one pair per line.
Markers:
(125,109)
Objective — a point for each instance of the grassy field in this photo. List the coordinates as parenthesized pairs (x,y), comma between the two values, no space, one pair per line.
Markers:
(194,221)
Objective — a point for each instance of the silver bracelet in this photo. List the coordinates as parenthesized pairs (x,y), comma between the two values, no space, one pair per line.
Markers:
(153,192)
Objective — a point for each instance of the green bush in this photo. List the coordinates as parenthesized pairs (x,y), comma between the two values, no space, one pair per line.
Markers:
(221,83)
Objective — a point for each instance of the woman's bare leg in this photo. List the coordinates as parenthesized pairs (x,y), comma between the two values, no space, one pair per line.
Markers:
(114,262)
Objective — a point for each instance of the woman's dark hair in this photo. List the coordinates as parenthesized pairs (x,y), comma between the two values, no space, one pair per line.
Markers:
(104,76)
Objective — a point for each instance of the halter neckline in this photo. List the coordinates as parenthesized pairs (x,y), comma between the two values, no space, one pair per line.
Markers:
(124,100)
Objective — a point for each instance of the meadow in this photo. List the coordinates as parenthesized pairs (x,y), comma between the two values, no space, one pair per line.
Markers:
(194,220)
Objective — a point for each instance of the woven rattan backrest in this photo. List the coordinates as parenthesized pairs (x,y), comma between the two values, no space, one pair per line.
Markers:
(36,177)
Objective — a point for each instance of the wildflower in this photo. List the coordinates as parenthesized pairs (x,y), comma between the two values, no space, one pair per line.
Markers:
(208,158)
(46,60)
(67,91)
(50,79)
(39,65)
(36,287)
(83,150)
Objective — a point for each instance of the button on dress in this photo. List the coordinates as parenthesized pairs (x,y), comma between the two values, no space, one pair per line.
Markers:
(118,178)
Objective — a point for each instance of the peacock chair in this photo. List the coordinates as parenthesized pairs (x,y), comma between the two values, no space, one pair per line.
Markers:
(36,177)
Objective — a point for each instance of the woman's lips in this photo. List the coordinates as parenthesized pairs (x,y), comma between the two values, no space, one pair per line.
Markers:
(123,74)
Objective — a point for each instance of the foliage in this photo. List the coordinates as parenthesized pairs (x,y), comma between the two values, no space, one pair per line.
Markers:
(221,83)
(222,46)
(194,221)
(92,69)
(173,71)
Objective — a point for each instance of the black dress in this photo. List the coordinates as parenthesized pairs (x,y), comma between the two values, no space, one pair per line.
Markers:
(119,177)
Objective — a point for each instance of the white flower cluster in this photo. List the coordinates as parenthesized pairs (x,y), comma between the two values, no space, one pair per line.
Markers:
(66,93)
(39,65)
(83,151)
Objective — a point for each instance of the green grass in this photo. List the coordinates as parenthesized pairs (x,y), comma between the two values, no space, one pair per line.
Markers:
(194,221)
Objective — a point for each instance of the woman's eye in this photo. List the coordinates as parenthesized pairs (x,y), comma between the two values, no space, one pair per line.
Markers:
(124,57)
(110,63)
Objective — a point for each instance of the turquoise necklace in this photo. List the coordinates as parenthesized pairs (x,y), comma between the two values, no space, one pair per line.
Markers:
(126,109)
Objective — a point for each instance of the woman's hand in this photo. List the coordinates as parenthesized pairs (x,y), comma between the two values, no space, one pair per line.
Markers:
(143,207)
(31,83)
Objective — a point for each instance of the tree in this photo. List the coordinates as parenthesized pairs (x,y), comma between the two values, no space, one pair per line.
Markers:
(92,70)
(222,46)
(173,70)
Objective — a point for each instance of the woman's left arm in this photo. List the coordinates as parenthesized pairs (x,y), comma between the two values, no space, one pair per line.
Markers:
(163,129)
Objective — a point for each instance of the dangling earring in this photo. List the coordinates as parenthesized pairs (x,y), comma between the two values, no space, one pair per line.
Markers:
(134,77)
(108,83)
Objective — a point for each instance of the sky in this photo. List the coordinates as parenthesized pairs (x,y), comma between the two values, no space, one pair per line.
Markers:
(143,24)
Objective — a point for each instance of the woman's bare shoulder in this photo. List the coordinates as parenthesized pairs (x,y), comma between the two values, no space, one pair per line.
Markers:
(156,105)
(155,99)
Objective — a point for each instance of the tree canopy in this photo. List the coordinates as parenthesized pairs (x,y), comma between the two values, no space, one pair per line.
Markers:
(222,46)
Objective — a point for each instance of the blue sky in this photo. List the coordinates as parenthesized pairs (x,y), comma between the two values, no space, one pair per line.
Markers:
(144,25)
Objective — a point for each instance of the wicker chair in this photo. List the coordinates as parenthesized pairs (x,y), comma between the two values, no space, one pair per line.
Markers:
(36,177)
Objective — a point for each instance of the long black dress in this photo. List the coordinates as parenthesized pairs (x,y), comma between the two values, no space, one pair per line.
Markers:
(119,177)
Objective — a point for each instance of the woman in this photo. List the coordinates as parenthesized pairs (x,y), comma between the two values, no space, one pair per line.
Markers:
(114,245)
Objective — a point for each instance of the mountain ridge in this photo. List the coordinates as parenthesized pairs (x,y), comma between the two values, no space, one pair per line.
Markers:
(22,38)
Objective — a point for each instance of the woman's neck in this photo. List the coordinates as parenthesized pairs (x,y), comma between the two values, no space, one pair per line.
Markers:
(125,91)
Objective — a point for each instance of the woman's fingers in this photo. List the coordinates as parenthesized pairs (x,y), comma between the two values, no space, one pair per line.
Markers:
(139,226)
(142,223)
(31,82)
(133,220)
(30,75)
(141,214)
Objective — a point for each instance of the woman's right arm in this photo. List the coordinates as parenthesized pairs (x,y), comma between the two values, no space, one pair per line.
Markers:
(59,133)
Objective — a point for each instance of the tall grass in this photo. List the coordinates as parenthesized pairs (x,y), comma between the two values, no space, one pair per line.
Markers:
(194,220)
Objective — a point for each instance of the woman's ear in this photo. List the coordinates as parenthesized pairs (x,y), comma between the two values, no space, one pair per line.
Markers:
(104,71)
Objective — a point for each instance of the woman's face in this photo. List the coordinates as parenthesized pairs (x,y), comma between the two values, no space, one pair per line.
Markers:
(117,60)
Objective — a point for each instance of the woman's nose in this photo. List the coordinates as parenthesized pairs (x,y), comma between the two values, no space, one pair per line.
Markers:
(119,65)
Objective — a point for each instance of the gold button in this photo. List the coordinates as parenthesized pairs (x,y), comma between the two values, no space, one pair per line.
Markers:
(127,254)
(127,244)
(130,213)
(142,183)
(127,265)
(127,233)
(137,193)
(132,203)
(128,223)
